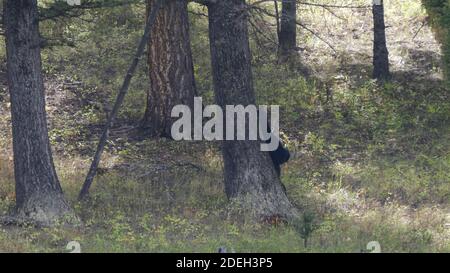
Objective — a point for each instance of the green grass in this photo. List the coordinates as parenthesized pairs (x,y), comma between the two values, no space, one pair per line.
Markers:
(125,215)
(372,164)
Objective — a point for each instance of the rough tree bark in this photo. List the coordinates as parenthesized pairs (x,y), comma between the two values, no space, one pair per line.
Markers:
(39,197)
(380,51)
(287,37)
(171,68)
(250,177)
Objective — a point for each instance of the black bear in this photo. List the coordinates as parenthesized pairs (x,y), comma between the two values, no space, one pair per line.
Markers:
(280,156)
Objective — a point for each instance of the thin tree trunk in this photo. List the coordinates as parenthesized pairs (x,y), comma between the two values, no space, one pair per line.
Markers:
(380,51)
(119,100)
(287,37)
(277,17)
(250,176)
(39,197)
(171,68)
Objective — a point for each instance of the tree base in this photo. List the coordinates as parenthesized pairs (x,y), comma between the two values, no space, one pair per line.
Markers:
(20,220)
(265,206)
(42,213)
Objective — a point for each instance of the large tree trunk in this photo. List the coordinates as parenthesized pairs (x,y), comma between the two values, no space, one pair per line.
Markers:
(39,197)
(250,177)
(380,51)
(287,37)
(170,67)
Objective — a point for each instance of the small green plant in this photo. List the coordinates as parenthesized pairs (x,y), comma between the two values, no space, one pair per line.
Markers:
(305,226)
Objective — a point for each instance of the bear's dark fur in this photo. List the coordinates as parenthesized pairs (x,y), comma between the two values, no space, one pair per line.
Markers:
(280,156)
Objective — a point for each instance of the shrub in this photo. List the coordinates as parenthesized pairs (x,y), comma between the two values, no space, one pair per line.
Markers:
(439,11)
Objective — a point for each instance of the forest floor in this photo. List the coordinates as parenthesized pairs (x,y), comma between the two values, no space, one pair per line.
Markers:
(370,162)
